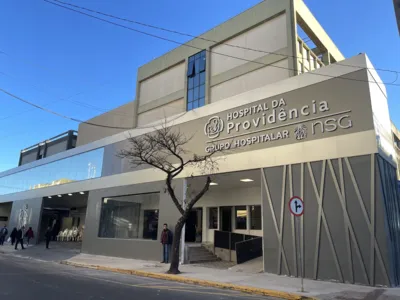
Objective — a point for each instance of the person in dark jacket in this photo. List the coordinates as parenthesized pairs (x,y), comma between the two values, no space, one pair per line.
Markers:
(166,241)
(3,234)
(19,237)
(13,236)
(29,235)
(48,236)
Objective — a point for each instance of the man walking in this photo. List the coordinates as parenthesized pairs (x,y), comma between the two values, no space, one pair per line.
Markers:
(20,238)
(3,234)
(166,241)
(48,235)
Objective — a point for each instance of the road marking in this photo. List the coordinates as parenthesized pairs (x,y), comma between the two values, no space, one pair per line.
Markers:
(171,288)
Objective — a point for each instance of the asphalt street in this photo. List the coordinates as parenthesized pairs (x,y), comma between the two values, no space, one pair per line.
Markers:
(29,279)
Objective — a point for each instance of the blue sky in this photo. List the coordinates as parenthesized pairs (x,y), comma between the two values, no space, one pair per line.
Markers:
(54,54)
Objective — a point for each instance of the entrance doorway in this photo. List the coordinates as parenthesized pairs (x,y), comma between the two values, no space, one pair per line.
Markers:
(65,214)
(194,225)
(226,218)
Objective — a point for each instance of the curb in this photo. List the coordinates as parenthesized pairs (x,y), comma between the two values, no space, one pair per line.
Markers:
(178,278)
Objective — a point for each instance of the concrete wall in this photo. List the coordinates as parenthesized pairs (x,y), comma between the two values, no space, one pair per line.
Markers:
(162,84)
(5,211)
(33,212)
(266,37)
(267,27)
(123,118)
(250,80)
(161,112)
(343,235)
(380,111)
(131,248)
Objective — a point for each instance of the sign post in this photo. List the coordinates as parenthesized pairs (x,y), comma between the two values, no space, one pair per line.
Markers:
(296,207)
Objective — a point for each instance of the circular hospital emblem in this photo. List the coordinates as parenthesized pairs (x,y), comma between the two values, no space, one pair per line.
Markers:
(300,132)
(214,127)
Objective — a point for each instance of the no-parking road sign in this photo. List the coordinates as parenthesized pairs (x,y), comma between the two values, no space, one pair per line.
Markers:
(296,206)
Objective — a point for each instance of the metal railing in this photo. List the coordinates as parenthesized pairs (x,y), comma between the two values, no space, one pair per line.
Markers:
(230,240)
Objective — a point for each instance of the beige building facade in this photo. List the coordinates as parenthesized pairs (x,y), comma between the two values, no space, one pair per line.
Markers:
(295,119)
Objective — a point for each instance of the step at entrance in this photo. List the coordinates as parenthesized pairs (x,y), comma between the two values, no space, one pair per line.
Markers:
(199,254)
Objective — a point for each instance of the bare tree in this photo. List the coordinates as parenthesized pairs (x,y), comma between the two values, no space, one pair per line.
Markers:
(165,150)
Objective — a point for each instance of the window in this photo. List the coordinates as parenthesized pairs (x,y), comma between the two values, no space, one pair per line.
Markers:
(73,168)
(241,217)
(255,217)
(130,217)
(196,81)
(213,218)
(150,226)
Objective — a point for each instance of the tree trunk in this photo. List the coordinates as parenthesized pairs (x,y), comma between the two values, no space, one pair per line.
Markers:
(174,267)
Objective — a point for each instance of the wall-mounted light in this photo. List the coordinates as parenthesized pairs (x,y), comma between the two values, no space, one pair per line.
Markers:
(49,197)
(59,196)
(69,194)
(246,180)
(81,193)
(213,183)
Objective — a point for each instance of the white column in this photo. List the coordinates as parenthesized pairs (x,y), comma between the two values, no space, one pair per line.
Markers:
(183,229)
(248,222)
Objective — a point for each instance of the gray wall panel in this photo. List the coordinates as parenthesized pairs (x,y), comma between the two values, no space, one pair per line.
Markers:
(343,239)
(310,225)
(34,213)
(337,228)
(132,248)
(288,228)
(271,238)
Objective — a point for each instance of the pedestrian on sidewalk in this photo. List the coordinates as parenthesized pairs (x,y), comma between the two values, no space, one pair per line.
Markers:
(3,234)
(29,235)
(19,238)
(166,241)
(48,235)
(13,236)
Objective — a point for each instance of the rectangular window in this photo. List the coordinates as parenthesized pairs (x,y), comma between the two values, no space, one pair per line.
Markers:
(196,80)
(130,217)
(255,217)
(241,217)
(213,218)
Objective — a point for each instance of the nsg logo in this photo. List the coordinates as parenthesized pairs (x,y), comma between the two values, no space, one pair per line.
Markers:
(214,127)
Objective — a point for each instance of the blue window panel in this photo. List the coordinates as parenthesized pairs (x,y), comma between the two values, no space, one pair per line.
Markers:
(190,82)
(202,66)
(190,95)
(190,106)
(195,93)
(190,71)
(202,102)
(197,56)
(196,81)
(195,104)
(202,77)
(203,53)
(191,58)
(202,91)
(197,66)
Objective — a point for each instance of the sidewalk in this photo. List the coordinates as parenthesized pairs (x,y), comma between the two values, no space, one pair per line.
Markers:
(57,252)
(284,287)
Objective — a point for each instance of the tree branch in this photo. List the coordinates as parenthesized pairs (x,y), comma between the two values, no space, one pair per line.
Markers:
(171,192)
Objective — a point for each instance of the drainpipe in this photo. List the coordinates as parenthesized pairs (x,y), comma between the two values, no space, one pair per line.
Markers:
(183,229)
